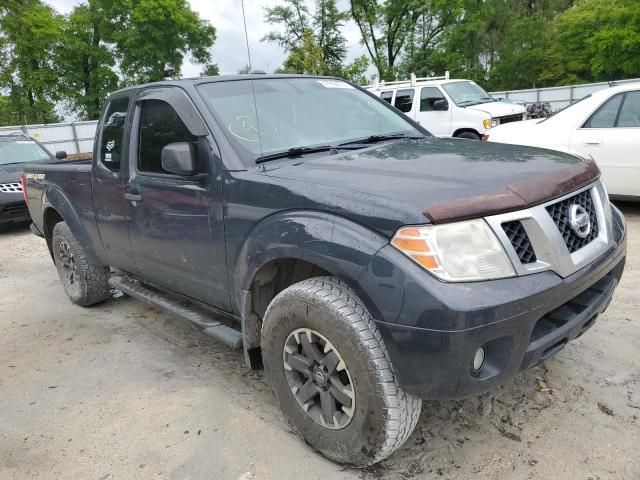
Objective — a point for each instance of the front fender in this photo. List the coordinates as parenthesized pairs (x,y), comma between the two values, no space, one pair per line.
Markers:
(338,245)
(80,220)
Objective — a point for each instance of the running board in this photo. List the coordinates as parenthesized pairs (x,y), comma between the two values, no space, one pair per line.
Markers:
(221,332)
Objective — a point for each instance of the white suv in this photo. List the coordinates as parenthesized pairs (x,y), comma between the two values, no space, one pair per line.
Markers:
(448,107)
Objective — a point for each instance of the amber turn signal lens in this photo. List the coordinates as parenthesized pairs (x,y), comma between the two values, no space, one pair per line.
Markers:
(409,232)
(410,244)
(427,261)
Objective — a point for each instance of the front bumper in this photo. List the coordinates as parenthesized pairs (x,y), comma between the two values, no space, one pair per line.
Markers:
(13,208)
(520,321)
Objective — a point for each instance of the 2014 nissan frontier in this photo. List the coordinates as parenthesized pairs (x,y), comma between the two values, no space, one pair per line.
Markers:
(366,264)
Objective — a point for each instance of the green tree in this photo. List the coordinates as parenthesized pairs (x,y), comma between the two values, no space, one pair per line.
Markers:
(210,70)
(502,43)
(327,23)
(6,111)
(384,28)
(293,17)
(87,60)
(29,34)
(244,70)
(306,57)
(356,70)
(522,54)
(152,36)
(421,50)
(593,41)
(296,23)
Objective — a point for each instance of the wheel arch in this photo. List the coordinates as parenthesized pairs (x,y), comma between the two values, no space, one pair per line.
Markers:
(319,244)
(58,208)
(466,130)
(50,218)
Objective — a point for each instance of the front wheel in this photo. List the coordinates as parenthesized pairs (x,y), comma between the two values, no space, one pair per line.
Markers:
(84,282)
(331,374)
(469,136)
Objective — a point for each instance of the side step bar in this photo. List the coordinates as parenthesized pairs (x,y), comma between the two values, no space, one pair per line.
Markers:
(221,332)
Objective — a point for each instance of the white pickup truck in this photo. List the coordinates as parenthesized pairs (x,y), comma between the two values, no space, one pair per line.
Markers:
(448,107)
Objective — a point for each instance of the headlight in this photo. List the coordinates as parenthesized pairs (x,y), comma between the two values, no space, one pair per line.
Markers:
(456,252)
(489,123)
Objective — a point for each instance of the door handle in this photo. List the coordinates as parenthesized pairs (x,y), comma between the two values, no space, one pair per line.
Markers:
(593,143)
(133,197)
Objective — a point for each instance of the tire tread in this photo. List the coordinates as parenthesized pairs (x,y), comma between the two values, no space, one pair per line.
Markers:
(94,277)
(402,409)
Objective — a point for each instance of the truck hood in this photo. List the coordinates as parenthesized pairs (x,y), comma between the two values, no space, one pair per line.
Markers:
(11,173)
(439,180)
(498,109)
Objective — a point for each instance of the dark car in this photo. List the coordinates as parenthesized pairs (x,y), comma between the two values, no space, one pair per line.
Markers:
(364,263)
(15,151)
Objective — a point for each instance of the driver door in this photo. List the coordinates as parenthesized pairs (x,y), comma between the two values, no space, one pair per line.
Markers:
(177,231)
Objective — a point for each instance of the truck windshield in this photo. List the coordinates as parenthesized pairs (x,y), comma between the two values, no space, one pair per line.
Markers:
(20,151)
(467,93)
(298,112)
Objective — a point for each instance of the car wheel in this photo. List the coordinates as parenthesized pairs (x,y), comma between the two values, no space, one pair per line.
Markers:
(331,374)
(84,282)
(469,136)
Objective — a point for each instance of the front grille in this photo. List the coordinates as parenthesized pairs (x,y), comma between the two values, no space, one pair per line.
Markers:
(510,119)
(520,241)
(560,214)
(10,188)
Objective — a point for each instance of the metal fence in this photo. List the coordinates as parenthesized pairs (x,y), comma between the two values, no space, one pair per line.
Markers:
(76,137)
(557,97)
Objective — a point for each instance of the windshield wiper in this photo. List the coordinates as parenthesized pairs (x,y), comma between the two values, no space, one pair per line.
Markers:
(352,145)
(380,138)
(297,151)
(294,152)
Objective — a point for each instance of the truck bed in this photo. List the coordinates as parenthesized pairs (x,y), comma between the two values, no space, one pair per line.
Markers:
(67,184)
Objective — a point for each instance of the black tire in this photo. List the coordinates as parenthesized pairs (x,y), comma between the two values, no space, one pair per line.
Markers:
(84,282)
(469,136)
(383,416)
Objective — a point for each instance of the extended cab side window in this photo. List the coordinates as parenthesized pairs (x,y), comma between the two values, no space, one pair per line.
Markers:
(404,100)
(112,133)
(387,96)
(428,95)
(605,116)
(160,125)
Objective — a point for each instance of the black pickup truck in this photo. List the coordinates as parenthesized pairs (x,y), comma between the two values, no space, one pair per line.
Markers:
(364,263)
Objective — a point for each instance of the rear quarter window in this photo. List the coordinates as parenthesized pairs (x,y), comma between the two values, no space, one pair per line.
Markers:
(112,134)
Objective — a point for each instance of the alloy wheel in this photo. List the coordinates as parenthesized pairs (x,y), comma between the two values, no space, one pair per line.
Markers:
(319,378)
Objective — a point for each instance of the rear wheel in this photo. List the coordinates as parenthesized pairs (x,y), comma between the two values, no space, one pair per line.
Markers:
(84,282)
(331,374)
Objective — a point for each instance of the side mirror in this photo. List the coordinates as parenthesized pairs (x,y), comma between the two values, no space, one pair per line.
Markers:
(61,155)
(440,105)
(179,158)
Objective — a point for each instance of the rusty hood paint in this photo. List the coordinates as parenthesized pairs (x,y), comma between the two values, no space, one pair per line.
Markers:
(444,180)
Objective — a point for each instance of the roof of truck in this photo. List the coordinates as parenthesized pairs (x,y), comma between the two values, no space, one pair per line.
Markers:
(221,78)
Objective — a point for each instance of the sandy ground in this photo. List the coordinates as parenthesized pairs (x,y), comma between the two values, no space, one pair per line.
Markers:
(122,391)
